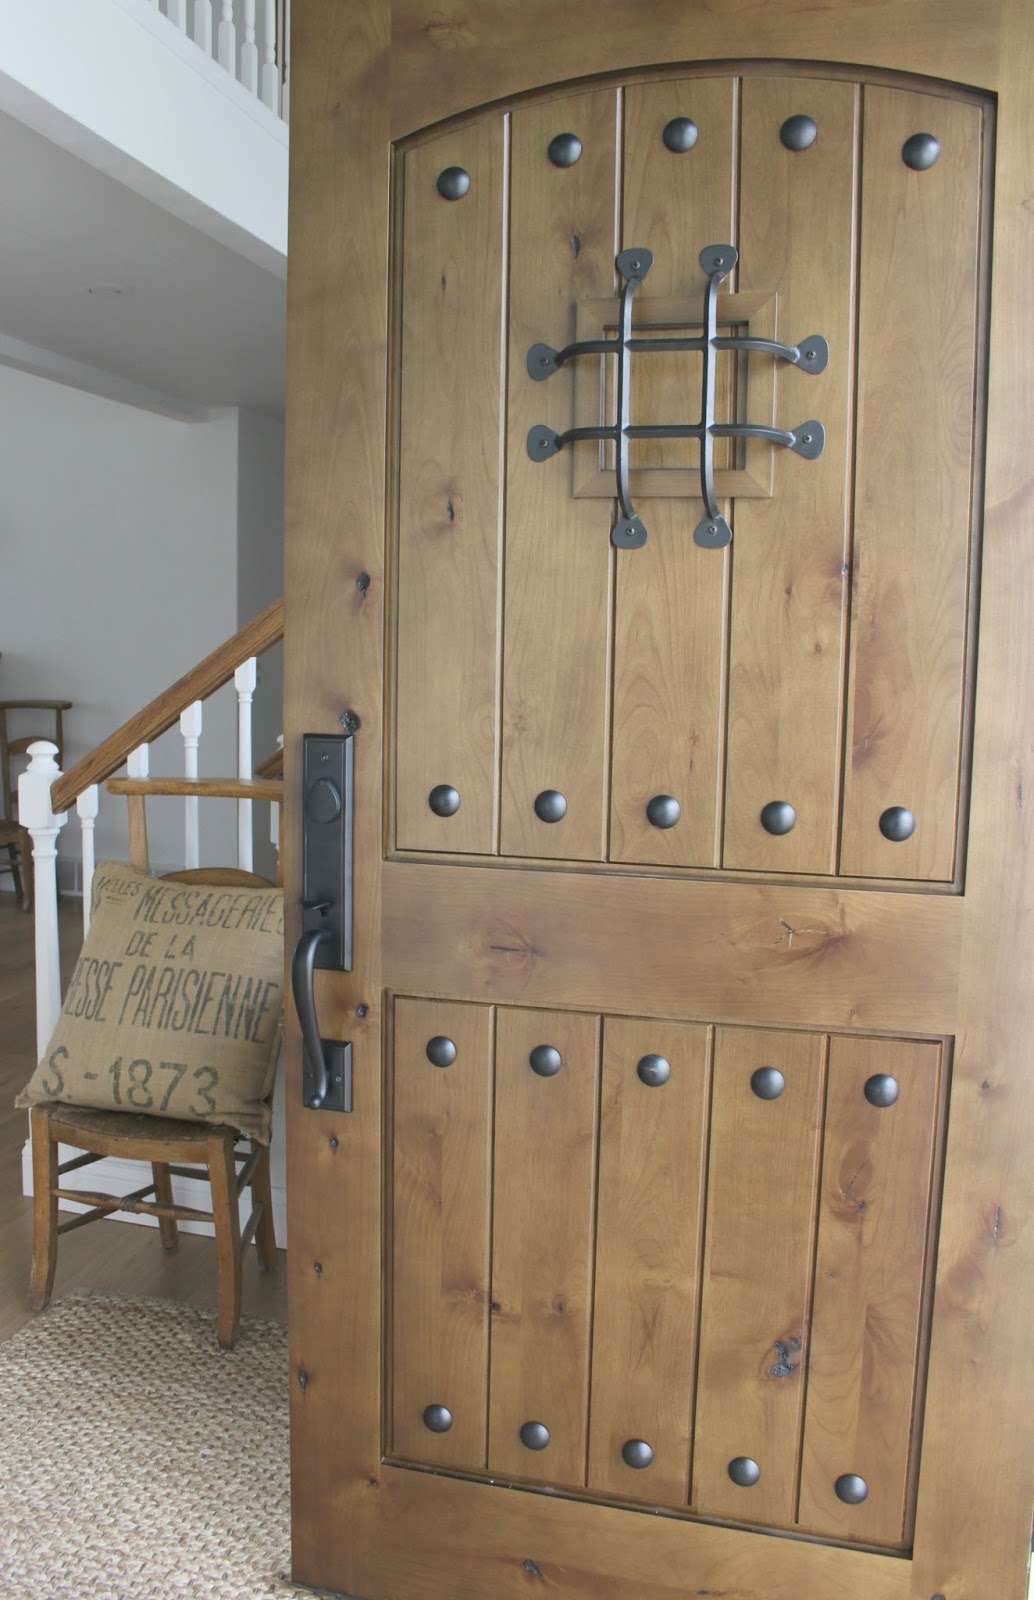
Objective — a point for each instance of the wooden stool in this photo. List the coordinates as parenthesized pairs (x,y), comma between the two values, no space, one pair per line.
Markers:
(173,1148)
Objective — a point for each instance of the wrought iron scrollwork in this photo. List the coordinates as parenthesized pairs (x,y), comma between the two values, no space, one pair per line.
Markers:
(712,532)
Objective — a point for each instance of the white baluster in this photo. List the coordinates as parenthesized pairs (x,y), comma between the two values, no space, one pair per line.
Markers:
(249,50)
(274,811)
(227,39)
(176,11)
(87,805)
(245,679)
(190,728)
(35,812)
(139,762)
(269,77)
(203,25)
(285,60)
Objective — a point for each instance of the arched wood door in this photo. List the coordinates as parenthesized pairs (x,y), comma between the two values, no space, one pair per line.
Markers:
(639,448)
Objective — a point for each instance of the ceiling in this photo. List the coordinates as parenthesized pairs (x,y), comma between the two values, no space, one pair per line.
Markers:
(195,321)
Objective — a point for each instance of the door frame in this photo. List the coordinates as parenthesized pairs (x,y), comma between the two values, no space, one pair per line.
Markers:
(350,100)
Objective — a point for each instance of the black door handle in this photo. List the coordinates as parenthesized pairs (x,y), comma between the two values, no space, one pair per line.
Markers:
(327,784)
(303,969)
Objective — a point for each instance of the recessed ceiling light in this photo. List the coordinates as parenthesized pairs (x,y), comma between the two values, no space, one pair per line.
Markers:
(102,290)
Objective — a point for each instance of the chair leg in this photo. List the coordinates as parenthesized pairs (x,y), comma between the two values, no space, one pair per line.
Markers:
(222,1174)
(44,1214)
(265,1235)
(170,1234)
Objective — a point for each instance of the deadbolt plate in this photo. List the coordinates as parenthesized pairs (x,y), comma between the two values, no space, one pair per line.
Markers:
(327,793)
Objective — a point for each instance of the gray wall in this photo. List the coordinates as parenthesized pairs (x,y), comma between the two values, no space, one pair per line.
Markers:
(260,581)
(131,546)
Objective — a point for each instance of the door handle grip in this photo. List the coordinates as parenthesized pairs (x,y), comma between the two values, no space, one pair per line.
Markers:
(303,968)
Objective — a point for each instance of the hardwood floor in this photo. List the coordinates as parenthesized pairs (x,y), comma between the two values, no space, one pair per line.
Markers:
(107,1257)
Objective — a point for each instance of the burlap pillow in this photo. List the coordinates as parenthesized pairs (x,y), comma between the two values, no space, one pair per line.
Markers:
(174,1006)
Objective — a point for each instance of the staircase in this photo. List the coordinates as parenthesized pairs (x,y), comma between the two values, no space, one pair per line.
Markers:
(120,766)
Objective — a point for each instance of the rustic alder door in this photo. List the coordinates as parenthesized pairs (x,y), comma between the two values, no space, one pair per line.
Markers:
(660,512)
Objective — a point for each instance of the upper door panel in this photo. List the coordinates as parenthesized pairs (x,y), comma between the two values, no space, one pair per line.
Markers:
(792,700)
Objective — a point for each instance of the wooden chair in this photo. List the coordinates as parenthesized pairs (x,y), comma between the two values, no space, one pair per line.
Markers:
(13,837)
(174,1149)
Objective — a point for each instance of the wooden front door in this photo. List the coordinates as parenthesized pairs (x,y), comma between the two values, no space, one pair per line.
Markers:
(649,517)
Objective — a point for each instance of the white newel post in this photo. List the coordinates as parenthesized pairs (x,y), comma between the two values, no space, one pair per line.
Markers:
(249,50)
(227,40)
(245,679)
(203,25)
(190,728)
(269,76)
(87,805)
(34,809)
(274,811)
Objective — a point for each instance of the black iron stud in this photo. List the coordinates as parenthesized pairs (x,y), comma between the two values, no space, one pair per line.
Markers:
(920,151)
(444,800)
(778,816)
(798,132)
(851,1489)
(680,135)
(440,1051)
(663,811)
(881,1090)
(534,1435)
(767,1083)
(897,824)
(564,150)
(636,1453)
(654,1071)
(453,183)
(744,1471)
(545,1061)
(550,805)
(437,1418)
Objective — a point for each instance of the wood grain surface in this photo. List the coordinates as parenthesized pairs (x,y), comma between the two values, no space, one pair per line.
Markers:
(918,321)
(448,459)
(806,958)
(558,553)
(441,1204)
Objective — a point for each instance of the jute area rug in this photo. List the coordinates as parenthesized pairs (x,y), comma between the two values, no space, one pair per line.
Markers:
(138,1461)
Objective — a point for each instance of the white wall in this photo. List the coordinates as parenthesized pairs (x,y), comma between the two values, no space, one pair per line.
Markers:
(260,581)
(114,82)
(119,532)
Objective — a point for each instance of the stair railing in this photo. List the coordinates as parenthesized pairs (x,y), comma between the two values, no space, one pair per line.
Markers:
(45,794)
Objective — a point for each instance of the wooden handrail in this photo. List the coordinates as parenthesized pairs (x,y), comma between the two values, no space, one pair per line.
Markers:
(200,682)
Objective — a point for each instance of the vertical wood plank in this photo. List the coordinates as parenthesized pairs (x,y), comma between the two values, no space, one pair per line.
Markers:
(873,1226)
(918,327)
(757,1273)
(789,576)
(545,1159)
(558,551)
(653,1160)
(448,491)
(440,1264)
(670,602)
